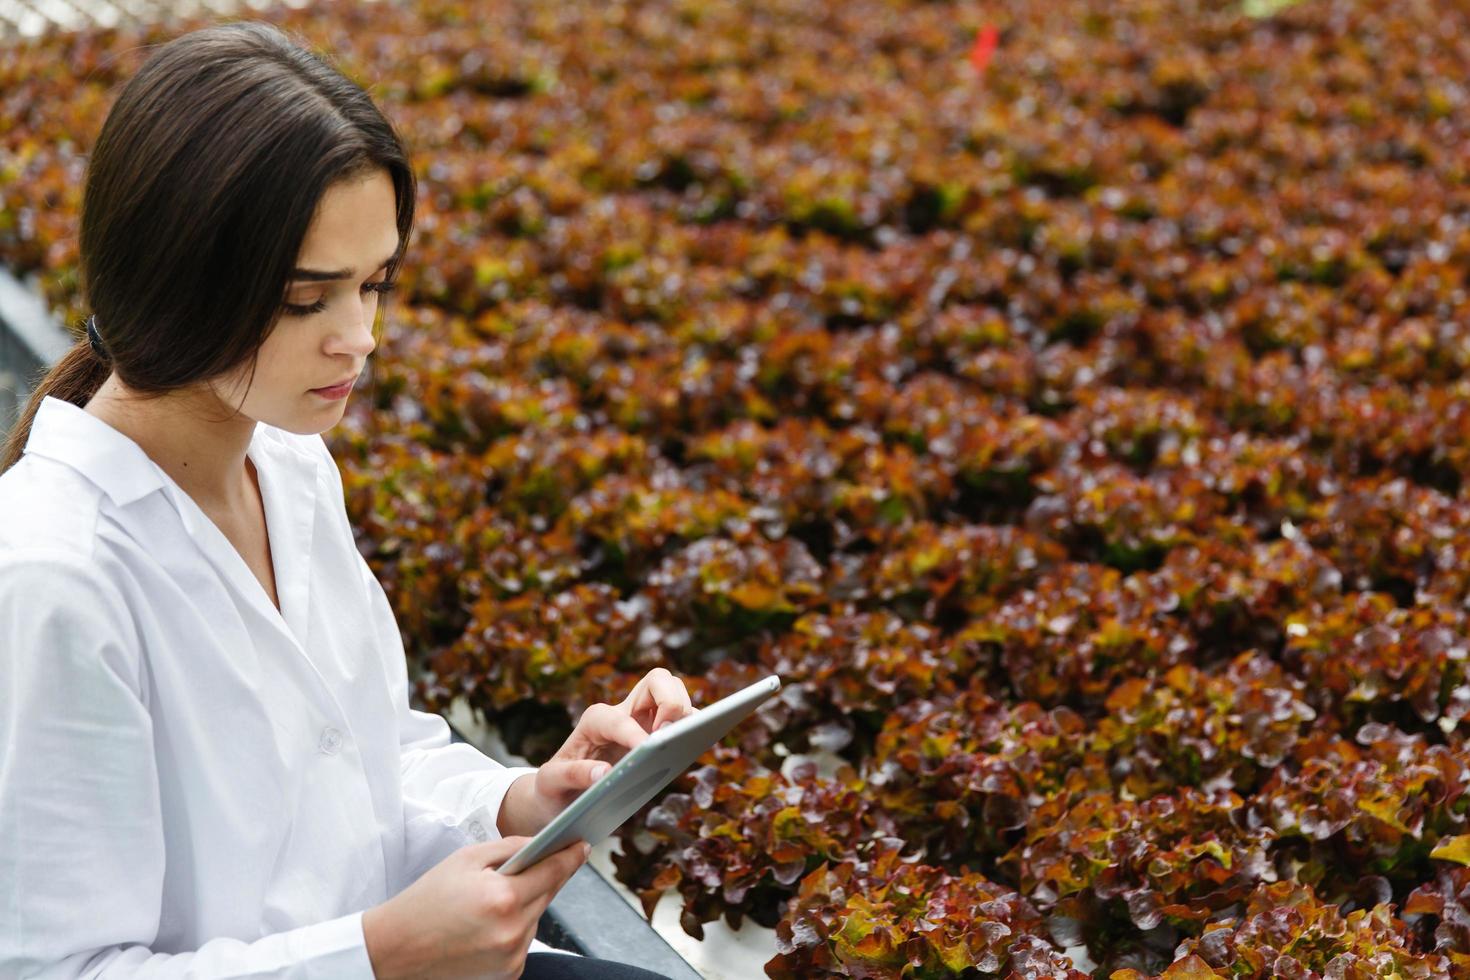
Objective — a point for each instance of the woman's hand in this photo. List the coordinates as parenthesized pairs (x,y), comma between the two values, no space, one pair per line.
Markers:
(463,918)
(604,734)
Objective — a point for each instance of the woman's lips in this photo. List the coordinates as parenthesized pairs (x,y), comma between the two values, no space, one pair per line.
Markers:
(340,391)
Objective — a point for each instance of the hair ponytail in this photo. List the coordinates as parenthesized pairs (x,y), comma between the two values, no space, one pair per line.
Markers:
(75,378)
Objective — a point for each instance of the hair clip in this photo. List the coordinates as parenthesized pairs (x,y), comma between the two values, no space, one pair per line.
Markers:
(95,339)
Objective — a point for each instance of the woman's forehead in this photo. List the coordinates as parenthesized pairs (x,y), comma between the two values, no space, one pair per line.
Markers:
(354,231)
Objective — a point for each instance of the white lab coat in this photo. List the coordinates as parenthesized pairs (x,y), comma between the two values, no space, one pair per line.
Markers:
(191,782)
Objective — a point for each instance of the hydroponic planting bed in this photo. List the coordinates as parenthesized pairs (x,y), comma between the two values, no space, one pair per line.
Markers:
(1080,427)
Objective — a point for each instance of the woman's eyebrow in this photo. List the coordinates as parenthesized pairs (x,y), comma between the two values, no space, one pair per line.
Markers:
(322,275)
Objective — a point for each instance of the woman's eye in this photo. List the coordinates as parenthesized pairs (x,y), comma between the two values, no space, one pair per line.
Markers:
(295,310)
(386,286)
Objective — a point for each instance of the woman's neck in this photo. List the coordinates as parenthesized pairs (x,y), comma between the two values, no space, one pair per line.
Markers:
(188,434)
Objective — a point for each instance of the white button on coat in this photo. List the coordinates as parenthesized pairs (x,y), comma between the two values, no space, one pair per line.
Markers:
(160,812)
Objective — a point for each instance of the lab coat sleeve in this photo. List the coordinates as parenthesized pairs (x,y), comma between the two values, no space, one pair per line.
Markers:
(439,775)
(81,829)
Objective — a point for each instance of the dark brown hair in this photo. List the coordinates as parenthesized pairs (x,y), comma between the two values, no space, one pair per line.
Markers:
(199,192)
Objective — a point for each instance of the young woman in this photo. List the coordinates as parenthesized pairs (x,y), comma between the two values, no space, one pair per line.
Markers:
(210,767)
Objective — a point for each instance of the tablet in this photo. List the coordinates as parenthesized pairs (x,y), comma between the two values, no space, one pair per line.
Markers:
(640,774)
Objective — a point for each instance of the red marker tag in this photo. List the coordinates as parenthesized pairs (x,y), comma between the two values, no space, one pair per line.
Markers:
(986,40)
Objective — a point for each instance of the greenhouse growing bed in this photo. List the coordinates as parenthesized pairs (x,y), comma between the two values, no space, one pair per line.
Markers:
(1069,401)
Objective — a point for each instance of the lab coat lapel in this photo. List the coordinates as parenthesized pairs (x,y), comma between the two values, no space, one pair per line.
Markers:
(287,486)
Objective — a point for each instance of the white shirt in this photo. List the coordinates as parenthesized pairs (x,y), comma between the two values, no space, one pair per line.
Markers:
(193,783)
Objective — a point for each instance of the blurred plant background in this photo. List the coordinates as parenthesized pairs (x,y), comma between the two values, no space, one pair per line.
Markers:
(1069,400)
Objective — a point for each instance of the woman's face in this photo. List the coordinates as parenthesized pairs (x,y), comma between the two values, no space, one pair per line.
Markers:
(326,329)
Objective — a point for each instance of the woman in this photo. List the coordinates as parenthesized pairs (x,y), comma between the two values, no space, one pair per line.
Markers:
(210,765)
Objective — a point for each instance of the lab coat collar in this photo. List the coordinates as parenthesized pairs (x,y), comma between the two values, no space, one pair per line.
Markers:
(69,434)
(119,467)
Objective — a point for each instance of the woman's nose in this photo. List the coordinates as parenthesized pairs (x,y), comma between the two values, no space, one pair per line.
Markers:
(356,336)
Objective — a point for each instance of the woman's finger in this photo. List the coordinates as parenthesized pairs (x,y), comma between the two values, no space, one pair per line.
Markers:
(606,725)
(672,698)
(566,779)
(657,699)
(545,877)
